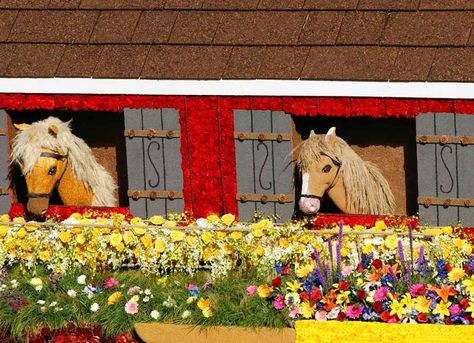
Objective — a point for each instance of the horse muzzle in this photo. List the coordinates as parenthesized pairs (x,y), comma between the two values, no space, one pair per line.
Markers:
(309,204)
(37,205)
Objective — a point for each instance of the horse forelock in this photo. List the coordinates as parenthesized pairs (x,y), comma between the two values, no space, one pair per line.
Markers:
(367,191)
(29,142)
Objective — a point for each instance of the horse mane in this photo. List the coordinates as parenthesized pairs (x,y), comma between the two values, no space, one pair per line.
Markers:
(29,142)
(367,191)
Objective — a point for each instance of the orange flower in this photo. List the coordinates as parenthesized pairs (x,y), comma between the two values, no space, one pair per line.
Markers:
(329,306)
(444,292)
(373,278)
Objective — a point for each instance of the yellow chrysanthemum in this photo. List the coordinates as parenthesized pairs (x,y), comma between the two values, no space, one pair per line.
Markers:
(469,284)
(391,242)
(455,275)
(306,310)
(128,236)
(260,250)
(146,241)
(139,231)
(65,236)
(212,218)
(4,218)
(44,255)
(114,298)
(206,237)
(236,235)
(81,238)
(19,220)
(157,220)
(115,239)
(160,246)
(169,223)
(228,219)
(221,234)
(264,291)
(3,230)
(257,232)
(368,248)
(177,235)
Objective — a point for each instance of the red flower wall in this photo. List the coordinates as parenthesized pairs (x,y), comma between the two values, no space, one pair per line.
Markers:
(207,142)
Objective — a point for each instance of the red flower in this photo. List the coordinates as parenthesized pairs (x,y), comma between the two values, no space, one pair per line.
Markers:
(341,316)
(447,320)
(304,296)
(285,271)
(377,306)
(360,294)
(422,318)
(385,316)
(276,282)
(448,267)
(315,295)
(17,210)
(377,263)
(343,285)
(360,268)
(464,302)
(46,333)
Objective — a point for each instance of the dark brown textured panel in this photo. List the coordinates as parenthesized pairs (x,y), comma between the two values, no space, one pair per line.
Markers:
(331,4)
(281,4)
(121,61)
(24,3)
(115,27)
(349,63)
(230,4)
(388,4)
(7,18)
(276,27)
(34,60)
(412,64)
(446,4)
(64,4)
(283,62)
(181,4)
(121,4)
(453,64)
(362,27)
(79,61)
(244,63)
(428,28)
(186,62)
(196,27)
(53,26)
(5,57)
(321,27)
(154,26)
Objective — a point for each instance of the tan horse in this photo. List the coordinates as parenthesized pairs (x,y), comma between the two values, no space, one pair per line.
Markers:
(50,156)
(328,164)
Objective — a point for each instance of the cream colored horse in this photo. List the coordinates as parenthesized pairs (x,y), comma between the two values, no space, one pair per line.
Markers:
(50,156)
(328,164)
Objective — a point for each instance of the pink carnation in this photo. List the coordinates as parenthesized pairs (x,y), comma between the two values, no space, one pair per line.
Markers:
(109,283)
(279,302)
(321,315)
(131,307)
(381,294)
(346,271)
(455,309)
(252,290)
(354,312)
(133,290)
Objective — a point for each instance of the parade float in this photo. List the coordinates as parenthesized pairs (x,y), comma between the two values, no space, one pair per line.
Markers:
(293,196)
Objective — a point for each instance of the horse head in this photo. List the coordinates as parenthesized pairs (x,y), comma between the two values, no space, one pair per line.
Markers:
(46,173)
(320,174)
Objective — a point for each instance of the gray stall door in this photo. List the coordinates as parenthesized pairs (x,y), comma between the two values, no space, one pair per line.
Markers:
(445,152)
(4,196)
(264,166)
(155,178)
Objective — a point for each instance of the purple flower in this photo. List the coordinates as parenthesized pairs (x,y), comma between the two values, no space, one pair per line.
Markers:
(421,258)
(279,302)
(110,283)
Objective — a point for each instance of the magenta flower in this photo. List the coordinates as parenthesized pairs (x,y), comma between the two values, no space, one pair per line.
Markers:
(279,302)
(417,289)
(131,307)
(381,294)
(252,290)
(109,283)
(455,309)
(354,311)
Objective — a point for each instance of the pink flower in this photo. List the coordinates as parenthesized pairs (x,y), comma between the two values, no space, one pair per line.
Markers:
(131,307)
(346,271)
(417,289)
(133,290)
(252,290)
(381,294)
(321,315)
(294,311)
(455,309)
(279,302)
(354,311)
(109,283)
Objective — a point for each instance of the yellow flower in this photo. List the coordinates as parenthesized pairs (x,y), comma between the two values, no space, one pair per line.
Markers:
(294,286)
(203,303)
(31,227)
(212,218)
(114,298)
(115,239)
(343,297)
(160,246)
(359,227)
(447,230)
(236,235)
(260,251)
(177,235)
(206,237)
(4,218)
(119,247)
(304,270)
(169,223)
(442,309)
(65,236)
(207,312)
(221,234)
(19,220)
(157,220)
(81,238)
(136,221)
(76,216)
(128,236)
(307,310)
(391,242)
(22,233)
(36,281)
(344,251)
(397,308)
(264,291)
(227,219)
(139,231)
(471,306)
(283,243)
(44,255)
(3,230)
(407,301)
(257,232)
(469,284)
(455,275)
(380,225)
(422,304)
(367,249)
(190,240)
(146,241)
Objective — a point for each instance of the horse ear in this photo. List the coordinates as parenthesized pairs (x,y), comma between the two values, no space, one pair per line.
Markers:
(312,134)
(53,130)
(331,136)
(21,126)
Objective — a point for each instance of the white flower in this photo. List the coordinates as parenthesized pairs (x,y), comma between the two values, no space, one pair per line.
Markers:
(41,302)
(14,283)
(202,222)
(54,303)
(147,291)
(186,314)
(39,288)
(190,300)
(146,299)
(36,281)
(94,307)
(72,293)
(43,309)
(135,298)
(169,302)
(81,280)
(155,314)
(378,241)
(90,295)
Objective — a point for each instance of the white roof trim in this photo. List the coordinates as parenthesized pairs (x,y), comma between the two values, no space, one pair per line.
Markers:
(441,90)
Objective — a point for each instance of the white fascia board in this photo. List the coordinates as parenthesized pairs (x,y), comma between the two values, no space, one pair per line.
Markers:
(437,90)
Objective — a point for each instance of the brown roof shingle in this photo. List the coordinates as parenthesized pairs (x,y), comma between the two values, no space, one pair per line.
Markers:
(195,27)
(7,18)
(154,26)
(79,61)
(115,27)
(361,27)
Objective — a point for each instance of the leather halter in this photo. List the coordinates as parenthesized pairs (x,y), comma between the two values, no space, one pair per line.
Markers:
(57,157)
(338,164)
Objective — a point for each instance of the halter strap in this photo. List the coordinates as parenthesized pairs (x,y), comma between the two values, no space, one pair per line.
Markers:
(57,157)
(338,164)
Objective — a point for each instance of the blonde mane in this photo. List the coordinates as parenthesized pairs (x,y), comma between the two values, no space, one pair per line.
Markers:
(367,191)
(29,142)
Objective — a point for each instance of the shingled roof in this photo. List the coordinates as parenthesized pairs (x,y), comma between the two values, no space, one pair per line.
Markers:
(400,40)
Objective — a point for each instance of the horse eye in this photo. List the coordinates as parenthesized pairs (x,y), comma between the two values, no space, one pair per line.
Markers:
(52,171)
(327,168)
